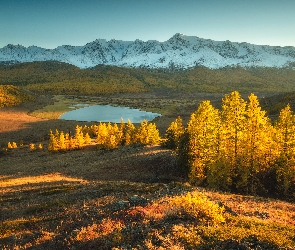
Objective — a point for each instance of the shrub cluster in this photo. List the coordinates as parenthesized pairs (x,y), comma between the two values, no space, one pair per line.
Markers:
(237,148)
(195,206)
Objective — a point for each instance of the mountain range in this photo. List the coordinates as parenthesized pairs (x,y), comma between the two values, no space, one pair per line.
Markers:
(179,51)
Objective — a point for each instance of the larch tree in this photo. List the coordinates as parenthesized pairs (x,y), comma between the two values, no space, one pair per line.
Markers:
(130,133)
(102,134)
(257,148)
(153,134)
(62,141)
(285,132)
(203,131)
(53,144)
(174,133)
(233,116)
(285,165)
(79,137)
(142,135)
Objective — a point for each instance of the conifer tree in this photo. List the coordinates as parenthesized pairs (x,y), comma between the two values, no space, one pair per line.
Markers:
(102,134)
(257,148)
(9,146)
(153,134)
(285,132)
(87,138)
(203,130)
(147,134)
(142,133)
(32,147)
(130,133)
(232,129)
(116,134)
(79,137)
(285,137)
(71,142)
(111,142)
(174,133)
(53,144)
(62,141)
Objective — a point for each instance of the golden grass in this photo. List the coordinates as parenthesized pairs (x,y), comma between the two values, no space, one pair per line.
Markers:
(178,216)
(54,111)
(266,209)
(9,181)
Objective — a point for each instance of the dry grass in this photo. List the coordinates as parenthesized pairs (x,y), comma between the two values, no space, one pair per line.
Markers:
(124,199)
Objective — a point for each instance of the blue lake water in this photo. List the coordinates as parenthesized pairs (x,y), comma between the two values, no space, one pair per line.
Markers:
(107,113)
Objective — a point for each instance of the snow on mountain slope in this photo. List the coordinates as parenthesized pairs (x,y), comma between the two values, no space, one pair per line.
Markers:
(179,51)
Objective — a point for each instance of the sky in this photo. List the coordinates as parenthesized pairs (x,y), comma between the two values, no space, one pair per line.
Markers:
(52,23)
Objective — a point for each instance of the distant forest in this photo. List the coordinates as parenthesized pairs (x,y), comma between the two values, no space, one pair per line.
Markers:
(61,78)
(52,77)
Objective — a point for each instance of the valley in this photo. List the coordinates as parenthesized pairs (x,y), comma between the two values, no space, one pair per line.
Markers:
(131,196)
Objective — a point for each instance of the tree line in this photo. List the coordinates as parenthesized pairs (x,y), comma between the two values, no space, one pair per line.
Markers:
(105,136)
(62,78)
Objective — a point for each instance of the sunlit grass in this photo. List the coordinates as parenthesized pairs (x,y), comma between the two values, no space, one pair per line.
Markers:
(54,111)
(90,216)
(55,177)
(58,208)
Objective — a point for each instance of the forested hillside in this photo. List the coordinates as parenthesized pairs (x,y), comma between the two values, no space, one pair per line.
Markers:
(11,95)
(61,78)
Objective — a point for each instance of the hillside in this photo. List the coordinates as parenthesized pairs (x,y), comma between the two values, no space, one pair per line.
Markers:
(62,78)
(131,197)
(11,96)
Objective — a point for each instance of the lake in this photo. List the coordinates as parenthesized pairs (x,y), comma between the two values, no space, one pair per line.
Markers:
(107,113)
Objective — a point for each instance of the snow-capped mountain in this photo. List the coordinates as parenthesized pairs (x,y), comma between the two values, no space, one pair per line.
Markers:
(179,51)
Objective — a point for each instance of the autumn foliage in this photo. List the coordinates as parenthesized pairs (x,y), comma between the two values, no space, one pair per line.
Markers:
(105,136)
(11,96)
(237,148)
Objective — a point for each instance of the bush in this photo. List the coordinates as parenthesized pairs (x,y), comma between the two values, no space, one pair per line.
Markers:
(195,206)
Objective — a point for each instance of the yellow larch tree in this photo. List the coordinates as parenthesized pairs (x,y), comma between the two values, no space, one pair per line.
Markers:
(130,133)
(285,164)
(53,144)
(174,133)
(147,134)
(233,117)
(102,134)
(153,134)
(79,137)
(62,141)
(203,131)
(257,148)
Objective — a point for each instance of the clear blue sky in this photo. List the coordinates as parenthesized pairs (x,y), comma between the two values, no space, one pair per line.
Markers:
(51,23)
